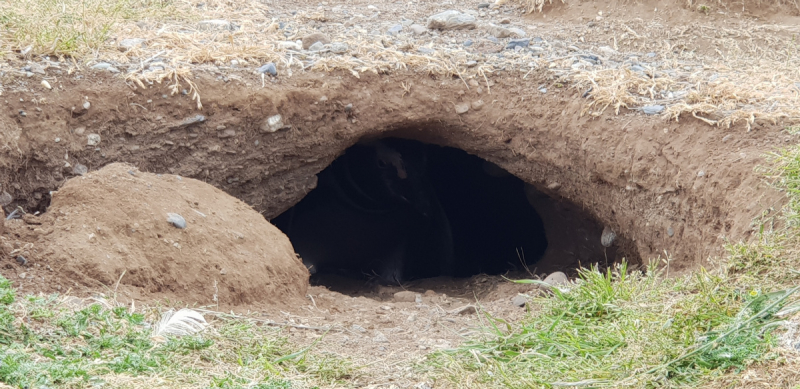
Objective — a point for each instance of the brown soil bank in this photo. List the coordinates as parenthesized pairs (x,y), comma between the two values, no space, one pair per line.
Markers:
(680,187)
(112,227)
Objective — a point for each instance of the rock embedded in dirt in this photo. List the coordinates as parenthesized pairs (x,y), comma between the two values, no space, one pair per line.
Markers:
(380,338)
(394,30)
(310,39)
(607,237)
(317,46)
(21,260)
(214,24)
(465,310)
(358,328)
(503,32)
(268,68)
(462,108)
(176,220)
(417,29)
(556,279)
(405,296)
(93,139)
(79,169)
(451,20)
(339,47)
(273,124)
(159,260)
(514,43)
(6,198)
(519,300)
(653,109)
(129,43)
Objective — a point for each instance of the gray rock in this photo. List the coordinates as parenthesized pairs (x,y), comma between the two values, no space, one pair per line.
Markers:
(394,30)
(727,137)
(229,133)
(405,296)
(127,44)
(317,46)
(651,55)
(339,47)
(465,310)
(653,109)
(483,5)
(607,51)
(214,24)
(80,169)
(426,50)
(670,232)
(451,20)
(468,43)
(358,328)
(21,260)
(268,68)
(6,198)
(462,108)
(176,220)
(637,68)
(36,68)
(514,43)
(417,29)
(23,113)
(519,300)
(497,31)
(543,90)
(380,338)
(93,139)
(310,39)
(273,123)
(607,237)
(101,66)
(556,279)
(517,32)
(471,64)
(595,60)
(196,119)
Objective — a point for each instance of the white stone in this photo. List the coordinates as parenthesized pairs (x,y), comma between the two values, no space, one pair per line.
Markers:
(451,20)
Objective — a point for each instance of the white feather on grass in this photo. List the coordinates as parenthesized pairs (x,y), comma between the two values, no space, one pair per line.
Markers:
(181,323)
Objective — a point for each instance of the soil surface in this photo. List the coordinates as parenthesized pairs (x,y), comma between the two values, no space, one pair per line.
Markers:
(666,187)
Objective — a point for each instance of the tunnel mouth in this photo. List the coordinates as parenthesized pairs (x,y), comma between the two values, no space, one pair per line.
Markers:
(398,211)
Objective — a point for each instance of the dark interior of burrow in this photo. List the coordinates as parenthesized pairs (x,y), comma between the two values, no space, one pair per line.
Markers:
(396,210)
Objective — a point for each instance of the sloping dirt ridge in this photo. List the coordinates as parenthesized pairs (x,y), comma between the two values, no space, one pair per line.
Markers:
(666,188)
(110,227)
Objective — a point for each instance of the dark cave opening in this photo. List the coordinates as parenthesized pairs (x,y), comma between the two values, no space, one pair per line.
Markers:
(396,210)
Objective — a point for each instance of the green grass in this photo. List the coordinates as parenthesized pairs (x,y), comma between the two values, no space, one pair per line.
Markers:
(73,27)
(623,329)
(45,344)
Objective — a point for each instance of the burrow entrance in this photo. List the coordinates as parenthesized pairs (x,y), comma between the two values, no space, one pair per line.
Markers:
(394,211)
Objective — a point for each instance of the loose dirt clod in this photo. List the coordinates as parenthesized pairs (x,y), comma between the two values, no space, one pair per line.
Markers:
(107,229)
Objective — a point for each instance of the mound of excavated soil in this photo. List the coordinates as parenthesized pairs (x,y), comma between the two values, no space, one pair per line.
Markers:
(114,221)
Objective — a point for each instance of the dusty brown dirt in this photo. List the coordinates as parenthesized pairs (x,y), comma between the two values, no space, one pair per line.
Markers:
(678,189)
(108,231)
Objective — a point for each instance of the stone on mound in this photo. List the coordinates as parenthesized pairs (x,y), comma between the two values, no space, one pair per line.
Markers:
(115,220)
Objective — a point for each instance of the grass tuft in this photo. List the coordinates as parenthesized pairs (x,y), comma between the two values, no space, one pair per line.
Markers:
(44,343)
(623,329)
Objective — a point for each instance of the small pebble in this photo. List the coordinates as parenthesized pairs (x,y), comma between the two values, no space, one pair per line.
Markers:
(176,220)
(653,109)
(21,260)
(519,300)
(268,68)
(468,43)
(523,43)
(93,139)
(394,30)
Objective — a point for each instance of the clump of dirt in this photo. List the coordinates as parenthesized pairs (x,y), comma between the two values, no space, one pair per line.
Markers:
(109,229)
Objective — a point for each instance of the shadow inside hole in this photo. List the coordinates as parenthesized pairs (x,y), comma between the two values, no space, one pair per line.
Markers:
(396,210)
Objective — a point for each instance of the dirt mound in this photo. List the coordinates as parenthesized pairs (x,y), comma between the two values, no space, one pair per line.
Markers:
(114,221)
